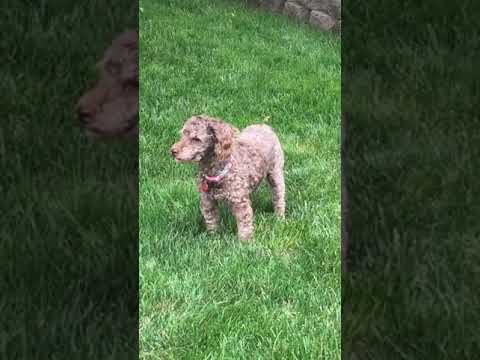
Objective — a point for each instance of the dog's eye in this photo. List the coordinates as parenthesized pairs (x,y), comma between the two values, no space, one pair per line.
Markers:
(112,68)
(196,139)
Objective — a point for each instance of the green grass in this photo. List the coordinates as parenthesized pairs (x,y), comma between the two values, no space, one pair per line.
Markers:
(68,223)
(209,297)
(412,97)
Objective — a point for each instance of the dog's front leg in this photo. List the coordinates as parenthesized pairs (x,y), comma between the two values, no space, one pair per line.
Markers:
(242,210)
(210,212)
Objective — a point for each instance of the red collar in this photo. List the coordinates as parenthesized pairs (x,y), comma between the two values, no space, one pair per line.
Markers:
(206,179)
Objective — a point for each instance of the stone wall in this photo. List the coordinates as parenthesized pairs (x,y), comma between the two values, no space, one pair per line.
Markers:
(325,15)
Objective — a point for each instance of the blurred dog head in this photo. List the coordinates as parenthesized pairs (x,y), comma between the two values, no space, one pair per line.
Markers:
(110,107)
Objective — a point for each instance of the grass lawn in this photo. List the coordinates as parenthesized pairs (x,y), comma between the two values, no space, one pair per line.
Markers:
(413,172)
(209,296)
(68,223)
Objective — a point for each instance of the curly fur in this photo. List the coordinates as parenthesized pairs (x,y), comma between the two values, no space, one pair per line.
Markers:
(110,108)
(256,154)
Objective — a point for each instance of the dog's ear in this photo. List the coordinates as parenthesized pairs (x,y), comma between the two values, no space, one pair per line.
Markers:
(122,57)
(224,137)
(130,67)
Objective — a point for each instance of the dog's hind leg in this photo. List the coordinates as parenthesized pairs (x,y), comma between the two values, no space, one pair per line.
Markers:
(243,212)
(277,185)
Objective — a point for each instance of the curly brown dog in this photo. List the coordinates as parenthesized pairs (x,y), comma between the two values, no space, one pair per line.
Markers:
(110,108)
(232,165)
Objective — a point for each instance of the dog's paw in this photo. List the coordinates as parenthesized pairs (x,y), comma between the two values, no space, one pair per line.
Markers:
(212,231)
(246,238)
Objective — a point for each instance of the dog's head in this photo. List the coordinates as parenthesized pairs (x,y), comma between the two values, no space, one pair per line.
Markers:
(204,138)
(110,107)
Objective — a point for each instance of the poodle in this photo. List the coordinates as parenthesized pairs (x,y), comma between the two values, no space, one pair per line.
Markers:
(232,164)
(110,108)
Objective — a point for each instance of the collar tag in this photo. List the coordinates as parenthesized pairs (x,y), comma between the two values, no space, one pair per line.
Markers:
(204,187)
(216,179)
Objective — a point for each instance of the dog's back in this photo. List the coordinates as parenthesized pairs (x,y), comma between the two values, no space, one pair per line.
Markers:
(263,139)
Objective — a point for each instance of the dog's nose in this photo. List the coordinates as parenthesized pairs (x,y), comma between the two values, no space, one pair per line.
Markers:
(85,111)
(174,152)
(84,116)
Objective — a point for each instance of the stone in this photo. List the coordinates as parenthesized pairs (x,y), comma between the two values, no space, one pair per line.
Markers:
(322,20)
(273,5)
(338,27)
(296,10)
(330,7)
